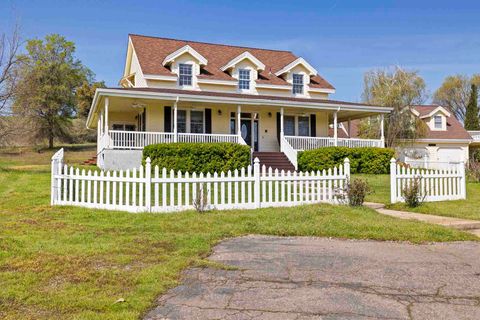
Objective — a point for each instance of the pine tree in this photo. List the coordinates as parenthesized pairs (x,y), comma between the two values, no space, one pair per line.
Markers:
(471,114)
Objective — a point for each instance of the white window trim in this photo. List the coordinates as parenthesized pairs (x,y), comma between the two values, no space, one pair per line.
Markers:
(188,119)
(441,122)
(249,81)
(192,75)
(304,88)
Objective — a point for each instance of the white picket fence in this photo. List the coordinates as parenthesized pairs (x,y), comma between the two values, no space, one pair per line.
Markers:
(147,190)
(435,184)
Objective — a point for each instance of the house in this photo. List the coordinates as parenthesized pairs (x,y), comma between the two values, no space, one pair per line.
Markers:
(186,91)
(445,141)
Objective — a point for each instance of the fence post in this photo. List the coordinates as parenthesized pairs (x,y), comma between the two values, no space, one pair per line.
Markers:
(393,180)
(56,167)
(256,186)
(463,180)
(148,185)
(346,169)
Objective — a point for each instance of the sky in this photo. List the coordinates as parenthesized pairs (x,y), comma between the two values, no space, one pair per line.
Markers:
(341,39)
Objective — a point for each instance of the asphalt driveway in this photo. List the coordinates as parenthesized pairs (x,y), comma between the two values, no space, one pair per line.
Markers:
(319,278)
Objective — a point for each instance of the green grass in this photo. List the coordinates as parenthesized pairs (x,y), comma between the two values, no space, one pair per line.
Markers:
(467,209)
(74,263)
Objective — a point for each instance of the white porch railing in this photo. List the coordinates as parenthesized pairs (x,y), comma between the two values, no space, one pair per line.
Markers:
(309,143)
(139,139)
(289,151)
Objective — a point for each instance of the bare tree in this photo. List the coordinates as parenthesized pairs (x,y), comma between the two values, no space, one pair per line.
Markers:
(9,59)
(399,89)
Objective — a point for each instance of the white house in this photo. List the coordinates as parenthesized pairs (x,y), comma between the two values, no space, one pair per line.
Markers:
(187,91)
(445,141)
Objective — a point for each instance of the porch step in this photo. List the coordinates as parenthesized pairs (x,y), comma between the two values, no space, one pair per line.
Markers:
(91,161)
(276,160)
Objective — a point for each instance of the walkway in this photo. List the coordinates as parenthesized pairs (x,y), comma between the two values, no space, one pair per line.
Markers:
(319,278)
(472,226)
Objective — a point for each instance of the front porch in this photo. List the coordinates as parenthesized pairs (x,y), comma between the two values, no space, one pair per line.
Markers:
(130,123)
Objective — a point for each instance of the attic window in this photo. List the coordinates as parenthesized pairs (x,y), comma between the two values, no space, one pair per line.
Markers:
(297,83)
(185,74)
(438,122)
(244,79)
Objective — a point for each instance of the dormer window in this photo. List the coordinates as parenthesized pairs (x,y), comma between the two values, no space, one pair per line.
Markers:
(244,79)
(438,122)
(297,83)
(185,74)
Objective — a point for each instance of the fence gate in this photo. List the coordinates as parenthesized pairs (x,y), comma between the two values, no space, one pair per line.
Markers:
(435,184)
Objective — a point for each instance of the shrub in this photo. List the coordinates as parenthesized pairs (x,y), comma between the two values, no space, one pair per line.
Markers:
(412,193)
(356,190)
(198,157)
(362,160)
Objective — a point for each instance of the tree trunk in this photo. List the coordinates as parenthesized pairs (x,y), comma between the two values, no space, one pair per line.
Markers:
(50,140)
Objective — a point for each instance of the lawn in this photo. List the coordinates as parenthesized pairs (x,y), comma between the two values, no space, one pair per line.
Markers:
(75,263)
(467,209)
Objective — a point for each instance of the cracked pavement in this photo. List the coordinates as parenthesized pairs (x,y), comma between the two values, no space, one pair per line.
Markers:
(320,278)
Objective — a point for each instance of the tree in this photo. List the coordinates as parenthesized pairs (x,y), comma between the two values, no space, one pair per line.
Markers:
(9,47)
(454,93)
(45,94)
(398,89)
(85,94)
(471,113)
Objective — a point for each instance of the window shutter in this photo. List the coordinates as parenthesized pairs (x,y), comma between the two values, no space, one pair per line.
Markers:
(313,125)
(278,126)
(167,119)
(208,120)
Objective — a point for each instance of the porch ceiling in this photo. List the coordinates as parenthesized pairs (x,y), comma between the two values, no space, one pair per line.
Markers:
(122,99)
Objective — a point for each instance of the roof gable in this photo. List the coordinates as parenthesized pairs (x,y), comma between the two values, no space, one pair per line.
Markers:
(183,50)
(293,64)
(246,55)
(152,51)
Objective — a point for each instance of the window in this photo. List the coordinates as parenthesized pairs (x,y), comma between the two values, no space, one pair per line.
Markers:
(185,74)
(181,121)
(438,122)
(297,83)
(196,122)
(123,127)
(190,121)
(289,125)
(304,126)
(244,79)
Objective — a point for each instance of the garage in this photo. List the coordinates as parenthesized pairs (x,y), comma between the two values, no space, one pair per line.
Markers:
(450,155)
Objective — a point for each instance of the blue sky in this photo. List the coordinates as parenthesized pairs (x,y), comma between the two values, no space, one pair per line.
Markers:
(342,39)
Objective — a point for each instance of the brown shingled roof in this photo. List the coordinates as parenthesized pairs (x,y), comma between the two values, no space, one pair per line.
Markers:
(454,130)
(151,51)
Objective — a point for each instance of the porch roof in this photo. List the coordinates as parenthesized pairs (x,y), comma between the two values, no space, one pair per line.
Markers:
(345,109)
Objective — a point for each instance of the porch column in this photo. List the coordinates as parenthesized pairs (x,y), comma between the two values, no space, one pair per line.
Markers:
(239,125)
(281,123)
(106,114)
(382,131)
(102,123)
(349,128)
(175,128)
(335,128)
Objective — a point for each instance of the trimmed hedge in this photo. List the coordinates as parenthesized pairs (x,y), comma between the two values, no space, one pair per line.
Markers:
(198,157)
(362,160)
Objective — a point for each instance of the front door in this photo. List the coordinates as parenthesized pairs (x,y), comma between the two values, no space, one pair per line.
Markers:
(249,133)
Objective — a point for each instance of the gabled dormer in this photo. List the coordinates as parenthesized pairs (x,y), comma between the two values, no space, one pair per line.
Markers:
(436,117)
(245,69)
(186,63)
(298,74)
